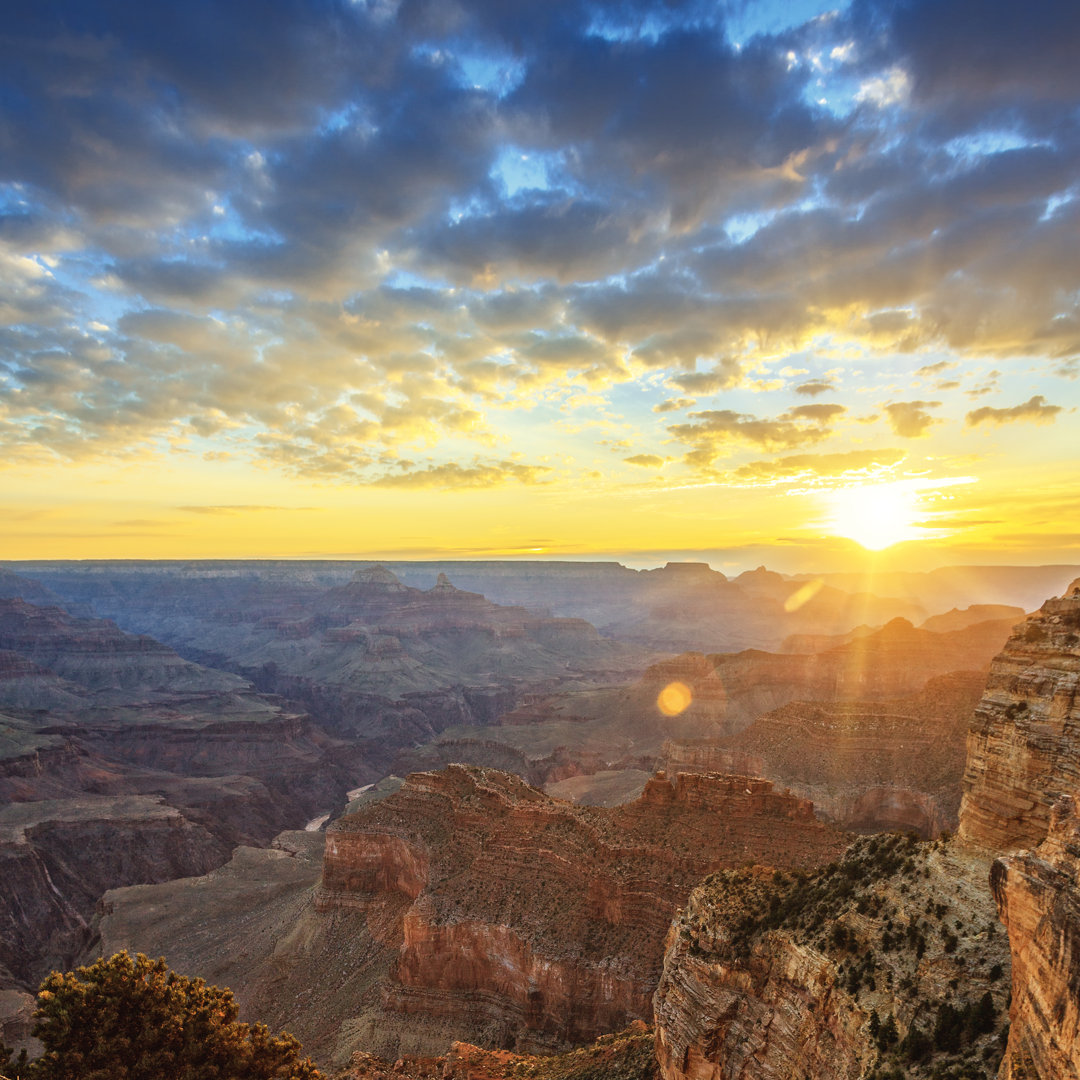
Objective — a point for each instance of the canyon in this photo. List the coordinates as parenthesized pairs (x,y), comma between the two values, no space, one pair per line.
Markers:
(472,902)
(122,762)
(868,766)
(891,958)
(469,905)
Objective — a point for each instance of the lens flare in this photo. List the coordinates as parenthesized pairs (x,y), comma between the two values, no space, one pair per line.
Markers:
(674,699)
(804,595)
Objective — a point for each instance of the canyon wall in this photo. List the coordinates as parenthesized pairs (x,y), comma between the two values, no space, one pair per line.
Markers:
(843,974)
(1023,749)
(869,766)
(1039,901)
(466,905)
(535,923)
(765,979)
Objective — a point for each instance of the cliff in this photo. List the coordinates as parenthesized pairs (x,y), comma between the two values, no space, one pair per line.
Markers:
(57,857)
(468,905)
(1038,900)
(122,762)
(768,978)
(885,960)
(1023,750)
(534,922)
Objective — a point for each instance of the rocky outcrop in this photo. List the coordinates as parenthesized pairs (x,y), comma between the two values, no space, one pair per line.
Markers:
(1023,750)
(623,1055)
(531,922)
(886,959)
(466,905)
(1038,899)
(764,979)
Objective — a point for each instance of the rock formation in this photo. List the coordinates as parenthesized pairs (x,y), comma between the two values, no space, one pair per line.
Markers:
(1038,899)
(1024,746)
(869,766)
(886,959)
(767,978)
(122,762)
(622,1055)
(470,905)
(896,660)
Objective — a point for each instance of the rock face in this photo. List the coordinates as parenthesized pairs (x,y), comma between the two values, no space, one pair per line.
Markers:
(767,996)
(770,977)
(535,922)
(470,905)
(57,857)
(1023,749)
(1039,901)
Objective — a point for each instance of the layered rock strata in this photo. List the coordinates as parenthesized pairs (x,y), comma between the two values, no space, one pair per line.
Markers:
(868,766)
(1023,749)
(122,762)
(467,905)
(1038,899)
(531,922)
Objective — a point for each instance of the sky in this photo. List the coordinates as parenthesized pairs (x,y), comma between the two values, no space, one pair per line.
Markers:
(748,281)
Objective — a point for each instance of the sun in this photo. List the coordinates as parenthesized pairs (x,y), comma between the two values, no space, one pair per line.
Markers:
(876,516)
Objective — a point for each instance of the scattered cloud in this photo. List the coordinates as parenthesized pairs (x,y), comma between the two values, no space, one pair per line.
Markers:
(814,387)
(452,475)
(911,419)
(646,461)
(1035,410)
(674,404)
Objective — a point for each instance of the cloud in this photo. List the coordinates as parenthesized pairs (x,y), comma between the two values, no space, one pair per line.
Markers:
(910,418)
(453,476)
(674,404)
(848,465)
(645,461)
(1035,410)
(712,430)
(814,387)
(936,369)
(308,240)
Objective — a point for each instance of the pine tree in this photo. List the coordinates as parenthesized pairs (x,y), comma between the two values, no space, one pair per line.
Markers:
(134,1019)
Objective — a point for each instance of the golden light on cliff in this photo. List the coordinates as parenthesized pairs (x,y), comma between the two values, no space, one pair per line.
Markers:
(875,516)
(674,699)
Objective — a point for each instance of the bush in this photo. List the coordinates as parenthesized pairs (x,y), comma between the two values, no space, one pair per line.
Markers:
(134,1019)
